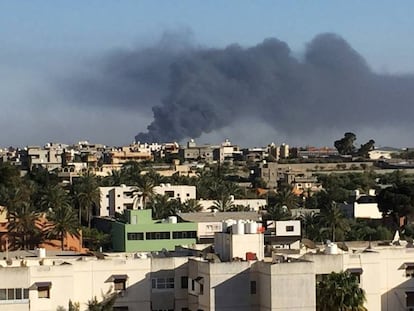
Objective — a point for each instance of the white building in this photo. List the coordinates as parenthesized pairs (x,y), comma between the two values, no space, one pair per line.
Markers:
(364,206)
(251,204)
(385,273)
(159,282)
(178,192)
(116,199)
(284,233)
(120,198)
(210,223)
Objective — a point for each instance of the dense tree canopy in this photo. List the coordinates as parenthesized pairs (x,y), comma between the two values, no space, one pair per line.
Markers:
(397,201)
(341,292)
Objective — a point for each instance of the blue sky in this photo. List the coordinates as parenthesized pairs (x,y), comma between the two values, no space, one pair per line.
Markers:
(40,39)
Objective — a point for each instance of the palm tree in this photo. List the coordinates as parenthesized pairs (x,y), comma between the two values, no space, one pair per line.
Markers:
(88,195)
(311,226)
(115,178)
(54,197)
(131,172)
(334,220)
(285,197)
(278,212)
(64,222)
(191,206)
(339,291)
(162,206)
(23,225)
(108,300)
(12,197)
(224,204)
(145,187)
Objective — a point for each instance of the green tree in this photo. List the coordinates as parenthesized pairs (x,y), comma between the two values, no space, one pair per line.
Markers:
(397,201)
(223,204)
(54,197)
(145,188)
(88,196)
(23,226)
(9,174)
(94,239)
(64,222)
(115,178)
(191,206)
(163,206)
(285,197)
(333,219)
(105,305)
(278,212)
(311,225)
(339,291)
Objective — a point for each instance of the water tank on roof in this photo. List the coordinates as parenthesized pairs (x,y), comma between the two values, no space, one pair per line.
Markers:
(238,227)
(41,252)
(331,249)
(251,227)
(172,219)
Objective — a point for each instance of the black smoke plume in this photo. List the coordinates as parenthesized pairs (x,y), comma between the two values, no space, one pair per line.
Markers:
(195,90)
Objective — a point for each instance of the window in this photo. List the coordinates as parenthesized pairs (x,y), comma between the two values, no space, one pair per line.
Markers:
(184,282)
(184,235)
(158,236)
(119,281)
(169,194)
(253,288)
(192,285)
(18,294)
(10,294)
(43,292)
(409,299)
(43,289)
(3,294)
(409,269)
(14,294)
(187,195)
(135,236)
(355,272)
(119,284)
(289,228)
(201,289)
(162,283)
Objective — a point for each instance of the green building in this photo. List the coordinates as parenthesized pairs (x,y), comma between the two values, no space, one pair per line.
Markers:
(142,233)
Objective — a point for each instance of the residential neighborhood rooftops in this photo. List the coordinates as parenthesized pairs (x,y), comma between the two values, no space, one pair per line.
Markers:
(220,216)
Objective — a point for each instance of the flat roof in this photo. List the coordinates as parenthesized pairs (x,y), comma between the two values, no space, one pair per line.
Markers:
(220,216)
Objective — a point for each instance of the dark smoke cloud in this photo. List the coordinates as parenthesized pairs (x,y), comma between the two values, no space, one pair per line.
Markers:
(193,90)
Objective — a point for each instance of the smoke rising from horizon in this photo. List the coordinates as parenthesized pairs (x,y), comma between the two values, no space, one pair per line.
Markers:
(194,90)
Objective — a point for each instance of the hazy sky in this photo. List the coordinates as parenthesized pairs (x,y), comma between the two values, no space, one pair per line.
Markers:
(48,44)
